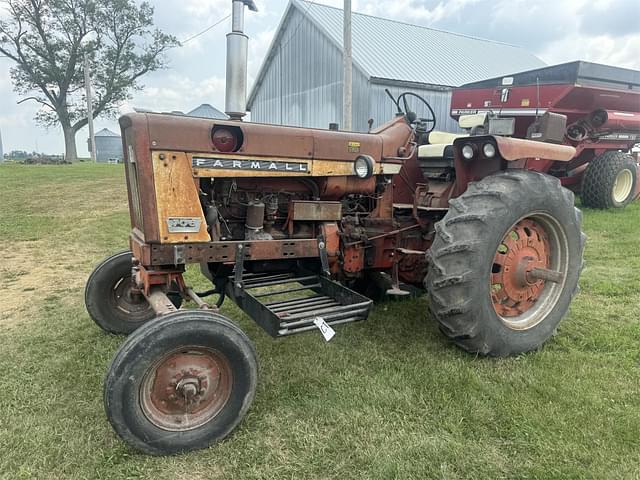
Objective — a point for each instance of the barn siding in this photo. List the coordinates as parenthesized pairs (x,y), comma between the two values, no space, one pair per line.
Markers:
(382,109)
(303,82)
(302,85)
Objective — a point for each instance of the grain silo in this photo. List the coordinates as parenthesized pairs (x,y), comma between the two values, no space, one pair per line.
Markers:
(108,146)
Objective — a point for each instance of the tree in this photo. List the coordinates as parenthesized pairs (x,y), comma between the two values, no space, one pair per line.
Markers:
(48,39)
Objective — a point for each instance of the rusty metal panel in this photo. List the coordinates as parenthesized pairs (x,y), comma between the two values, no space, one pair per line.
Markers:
(226,251)
(179,133)
(180,216)
(517,148)
(135,133)
(316,211)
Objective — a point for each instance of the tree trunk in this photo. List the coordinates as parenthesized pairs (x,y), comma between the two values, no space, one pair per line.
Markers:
(70,151)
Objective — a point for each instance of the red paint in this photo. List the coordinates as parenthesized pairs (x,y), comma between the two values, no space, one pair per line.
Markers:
(578,103)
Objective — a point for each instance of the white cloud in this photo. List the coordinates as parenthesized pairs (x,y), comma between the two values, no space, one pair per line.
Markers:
(621,51)
(181,93)
(201,9)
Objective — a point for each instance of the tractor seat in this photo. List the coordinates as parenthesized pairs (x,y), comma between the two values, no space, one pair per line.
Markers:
(436,158)
(436,137)
(438,142)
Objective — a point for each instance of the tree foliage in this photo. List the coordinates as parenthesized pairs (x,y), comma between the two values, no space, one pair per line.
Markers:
(48,39)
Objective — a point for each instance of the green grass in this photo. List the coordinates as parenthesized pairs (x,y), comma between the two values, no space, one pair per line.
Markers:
(387,398)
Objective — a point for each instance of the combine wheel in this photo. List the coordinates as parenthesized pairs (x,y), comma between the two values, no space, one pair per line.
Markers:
(181,383)
(609,181)
(505,263)
(111,301)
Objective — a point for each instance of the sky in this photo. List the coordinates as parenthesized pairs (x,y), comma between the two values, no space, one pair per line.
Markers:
(557,31)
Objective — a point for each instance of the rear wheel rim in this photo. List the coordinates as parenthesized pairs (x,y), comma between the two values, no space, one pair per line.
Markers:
(186,388)
(622,186)
(535,243)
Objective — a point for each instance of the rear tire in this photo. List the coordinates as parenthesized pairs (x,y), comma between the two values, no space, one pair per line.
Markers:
(609,181)
(181,383)
(474,246)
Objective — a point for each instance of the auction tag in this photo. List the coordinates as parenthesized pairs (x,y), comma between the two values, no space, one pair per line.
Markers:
(325,329)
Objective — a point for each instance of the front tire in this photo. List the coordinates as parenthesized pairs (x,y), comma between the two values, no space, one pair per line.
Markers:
(488,256)
(109,299)
(181,383)
(609,181)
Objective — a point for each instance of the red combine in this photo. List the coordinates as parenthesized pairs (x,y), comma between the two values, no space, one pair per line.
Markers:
(602,108)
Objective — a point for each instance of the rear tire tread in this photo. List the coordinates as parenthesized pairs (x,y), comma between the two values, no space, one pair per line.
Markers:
(451,298)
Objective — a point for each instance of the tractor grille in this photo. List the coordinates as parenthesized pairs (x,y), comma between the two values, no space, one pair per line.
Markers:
(134,193)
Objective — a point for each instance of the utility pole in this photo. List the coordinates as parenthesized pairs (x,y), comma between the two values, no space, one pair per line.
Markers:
(87,86)
(347,84)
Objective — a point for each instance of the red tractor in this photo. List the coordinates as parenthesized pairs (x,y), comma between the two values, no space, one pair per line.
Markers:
(296,226)
(594,108)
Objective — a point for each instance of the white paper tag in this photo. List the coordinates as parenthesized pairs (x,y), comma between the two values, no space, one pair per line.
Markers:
(325,329)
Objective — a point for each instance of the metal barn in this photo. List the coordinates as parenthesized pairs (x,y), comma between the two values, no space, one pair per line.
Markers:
(300,81)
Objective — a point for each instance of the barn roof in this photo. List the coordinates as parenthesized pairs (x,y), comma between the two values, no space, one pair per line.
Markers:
(392,50)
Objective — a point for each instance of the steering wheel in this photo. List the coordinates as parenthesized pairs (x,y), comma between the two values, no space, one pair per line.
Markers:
(430,122)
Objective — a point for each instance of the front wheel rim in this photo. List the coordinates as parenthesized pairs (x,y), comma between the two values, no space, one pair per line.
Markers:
(622,185)
(529,271)
(186,388)
(124,299)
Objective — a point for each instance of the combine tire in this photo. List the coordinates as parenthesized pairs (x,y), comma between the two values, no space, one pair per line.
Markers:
(109,299)
(609,181)
(505,262)
(181,382)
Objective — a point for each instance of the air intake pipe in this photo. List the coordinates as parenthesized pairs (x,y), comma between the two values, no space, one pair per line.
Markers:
(237,46)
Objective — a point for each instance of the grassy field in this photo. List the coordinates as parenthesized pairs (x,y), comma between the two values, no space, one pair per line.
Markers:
(387,398)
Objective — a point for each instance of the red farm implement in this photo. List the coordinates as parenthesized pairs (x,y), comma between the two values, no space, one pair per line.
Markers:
(602,108)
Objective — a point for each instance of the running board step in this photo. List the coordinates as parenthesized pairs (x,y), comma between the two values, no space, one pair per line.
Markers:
(288,303)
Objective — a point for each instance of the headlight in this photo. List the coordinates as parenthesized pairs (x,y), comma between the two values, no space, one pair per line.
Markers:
(363,166)
(468,151)
(489,150)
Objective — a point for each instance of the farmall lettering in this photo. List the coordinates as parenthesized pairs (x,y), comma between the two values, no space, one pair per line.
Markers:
(260,165)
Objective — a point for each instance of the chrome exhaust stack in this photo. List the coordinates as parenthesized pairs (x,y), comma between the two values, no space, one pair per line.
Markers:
(237,46)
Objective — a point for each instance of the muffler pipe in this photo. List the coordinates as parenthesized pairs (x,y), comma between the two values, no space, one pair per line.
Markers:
(237,46)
